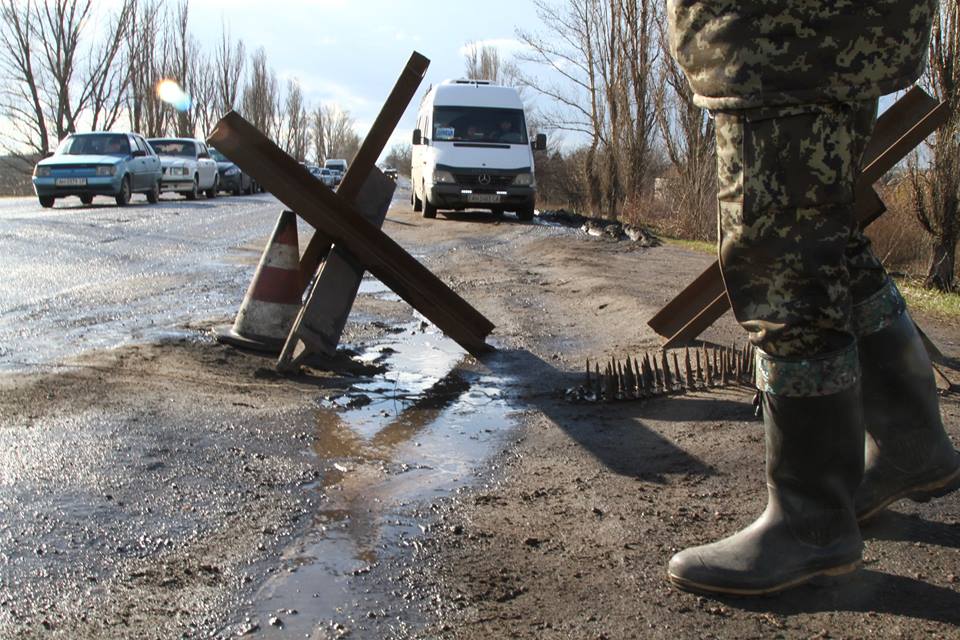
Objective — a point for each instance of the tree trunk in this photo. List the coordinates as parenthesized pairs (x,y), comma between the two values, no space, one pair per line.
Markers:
(940,275)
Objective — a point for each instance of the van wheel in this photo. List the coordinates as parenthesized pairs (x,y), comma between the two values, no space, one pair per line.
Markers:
(86,199)
(429,211)
(417,203)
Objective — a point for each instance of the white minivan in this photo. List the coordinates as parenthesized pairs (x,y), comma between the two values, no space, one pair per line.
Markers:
(471,150)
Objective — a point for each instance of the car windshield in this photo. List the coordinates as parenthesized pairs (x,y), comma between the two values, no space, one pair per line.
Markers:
(479,124)
(174,148)
(219,157)
(98,144)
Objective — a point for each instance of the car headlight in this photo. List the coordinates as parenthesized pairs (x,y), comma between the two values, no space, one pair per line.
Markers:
(41,172)
(523,180)
(107,170)
(177,171)
(232,171)
(443,177)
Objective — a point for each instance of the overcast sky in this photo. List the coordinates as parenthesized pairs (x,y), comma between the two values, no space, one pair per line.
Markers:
(351,51)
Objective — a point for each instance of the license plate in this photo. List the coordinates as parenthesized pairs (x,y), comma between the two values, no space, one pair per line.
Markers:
(485,198)
(71,182)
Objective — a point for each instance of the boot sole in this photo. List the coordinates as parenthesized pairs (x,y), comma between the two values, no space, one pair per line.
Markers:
(918,493)
(696,587)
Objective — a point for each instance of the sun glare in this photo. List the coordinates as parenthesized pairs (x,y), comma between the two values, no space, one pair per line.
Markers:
(171,93)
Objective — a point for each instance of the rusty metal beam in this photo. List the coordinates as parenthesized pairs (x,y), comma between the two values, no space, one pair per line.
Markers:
(363,163)
(898,130)
(339,219)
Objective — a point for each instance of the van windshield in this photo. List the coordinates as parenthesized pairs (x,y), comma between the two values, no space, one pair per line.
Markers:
(479,124)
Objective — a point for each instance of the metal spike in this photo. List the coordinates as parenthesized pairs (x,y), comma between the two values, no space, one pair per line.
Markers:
(738,369)
(611,390)
(597,382)
(630,380)
(724,368)
(657,375)
(691,381)
(667,378)
(621,382)
(648,372)
(700,381)
(588,384)
(709,368)
(676,371)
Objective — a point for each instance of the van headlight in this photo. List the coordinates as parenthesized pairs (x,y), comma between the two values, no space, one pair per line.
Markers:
(41,172)
(443,177)
(106,170)
(523,180)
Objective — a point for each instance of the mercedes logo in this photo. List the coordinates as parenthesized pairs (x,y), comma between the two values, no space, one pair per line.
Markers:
(484,179)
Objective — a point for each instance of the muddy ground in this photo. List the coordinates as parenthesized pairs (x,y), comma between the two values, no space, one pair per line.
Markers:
(565,533)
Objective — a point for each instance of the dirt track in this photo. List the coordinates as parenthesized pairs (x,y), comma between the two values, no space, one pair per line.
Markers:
(569,531)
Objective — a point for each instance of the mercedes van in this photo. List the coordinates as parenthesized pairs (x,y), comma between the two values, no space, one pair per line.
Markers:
(471,151)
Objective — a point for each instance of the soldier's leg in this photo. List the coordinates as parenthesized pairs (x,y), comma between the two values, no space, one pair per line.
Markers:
(908,453)
(786,179)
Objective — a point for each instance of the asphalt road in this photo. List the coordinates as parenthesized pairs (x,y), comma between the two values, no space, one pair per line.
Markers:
(78,278)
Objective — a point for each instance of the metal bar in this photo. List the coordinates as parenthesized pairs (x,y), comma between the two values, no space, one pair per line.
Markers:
(329,212)
(898,130)
(366,158)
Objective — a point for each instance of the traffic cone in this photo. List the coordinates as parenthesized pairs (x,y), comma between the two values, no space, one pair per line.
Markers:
(274,297)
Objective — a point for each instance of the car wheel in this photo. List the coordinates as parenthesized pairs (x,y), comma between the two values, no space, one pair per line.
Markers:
(46,201)
(212,191)
(86,199)
(429,211)
(417,202)
(525,214)
(153,196)
(123,198)
(194,191)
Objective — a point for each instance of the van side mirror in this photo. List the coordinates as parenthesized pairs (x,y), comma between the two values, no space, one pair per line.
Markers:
(540,143)
(417,137)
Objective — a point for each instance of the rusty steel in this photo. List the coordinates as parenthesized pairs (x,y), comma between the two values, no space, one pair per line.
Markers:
(898,130)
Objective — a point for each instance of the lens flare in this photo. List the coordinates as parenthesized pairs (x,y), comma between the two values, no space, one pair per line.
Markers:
(171,93)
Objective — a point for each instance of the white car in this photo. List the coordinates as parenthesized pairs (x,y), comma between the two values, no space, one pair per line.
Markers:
(323,175)
(188,168)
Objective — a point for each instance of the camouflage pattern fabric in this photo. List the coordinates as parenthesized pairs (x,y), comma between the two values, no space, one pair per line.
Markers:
(787,234)
(740,54)
(879,311)
(806,377)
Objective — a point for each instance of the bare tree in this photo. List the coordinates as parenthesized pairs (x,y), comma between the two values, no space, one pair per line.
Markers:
(399,158)
(258,102)
(936,187)
(147,60)
(228,64)
(296,122)
(689,142)
(338,132)
(318,141)
(23,104)
(203,89)
(184,50)
(482,62)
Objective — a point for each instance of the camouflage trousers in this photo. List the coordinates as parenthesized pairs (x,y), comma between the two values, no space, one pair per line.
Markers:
(793,259)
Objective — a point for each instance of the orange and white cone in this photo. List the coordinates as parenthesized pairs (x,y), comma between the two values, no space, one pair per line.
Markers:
(274,297)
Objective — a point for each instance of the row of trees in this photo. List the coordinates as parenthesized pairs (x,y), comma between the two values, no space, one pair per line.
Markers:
(61,76)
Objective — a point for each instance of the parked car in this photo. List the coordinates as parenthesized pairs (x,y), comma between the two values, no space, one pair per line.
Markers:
(323,175)
(98,164)
(390,172)
(338,166)
(232,178)
(188,168)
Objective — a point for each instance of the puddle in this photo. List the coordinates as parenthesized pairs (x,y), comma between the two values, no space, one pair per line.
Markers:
(373,287)
(407,437)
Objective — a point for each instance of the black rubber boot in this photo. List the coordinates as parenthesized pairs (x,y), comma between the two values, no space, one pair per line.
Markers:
(814,462)
(908,454)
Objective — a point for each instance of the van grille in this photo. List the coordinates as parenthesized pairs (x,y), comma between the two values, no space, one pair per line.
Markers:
(473,179)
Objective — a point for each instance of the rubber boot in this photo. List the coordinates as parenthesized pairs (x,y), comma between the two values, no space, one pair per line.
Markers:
(814,463)
(907,452)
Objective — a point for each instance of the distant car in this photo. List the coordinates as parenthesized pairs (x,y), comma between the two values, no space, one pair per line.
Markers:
(323,175)
(390,172)
(98,164)
(232,178)
(339,166)
(188,168)
(337,176)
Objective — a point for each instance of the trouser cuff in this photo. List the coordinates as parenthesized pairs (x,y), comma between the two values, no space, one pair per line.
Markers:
(878,311)
(819,376)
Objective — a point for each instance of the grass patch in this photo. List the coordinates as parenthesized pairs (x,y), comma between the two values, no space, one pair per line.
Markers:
(701,246)
(930,301)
